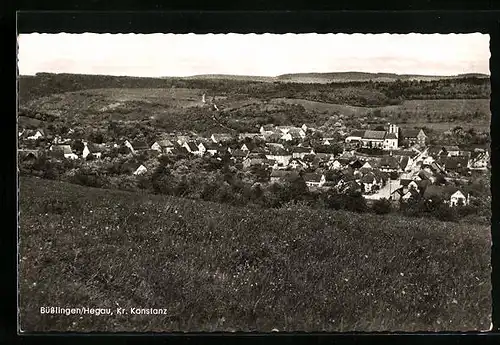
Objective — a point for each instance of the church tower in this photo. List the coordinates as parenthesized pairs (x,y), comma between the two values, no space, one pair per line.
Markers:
(394,129)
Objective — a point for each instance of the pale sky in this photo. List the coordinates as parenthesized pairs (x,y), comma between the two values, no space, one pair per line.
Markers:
(156,55)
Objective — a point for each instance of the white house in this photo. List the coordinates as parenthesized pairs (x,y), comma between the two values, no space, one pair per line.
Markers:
(191,147)
(37,135)
(182,139)
(136,146)
(140,170)
(287,137)
(163,146)
(211,148)
(156,147)
(336,165)
(369,181)
(367,165)
(91,149)
(65,150)
(314,180)
(390,141)
(458,198)
(266,129)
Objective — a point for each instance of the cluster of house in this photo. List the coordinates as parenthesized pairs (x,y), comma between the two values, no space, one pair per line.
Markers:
(410,172)
(435,163)
(454,159)
(423,189)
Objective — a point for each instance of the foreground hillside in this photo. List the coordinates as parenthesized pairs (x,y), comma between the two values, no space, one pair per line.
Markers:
(219,268)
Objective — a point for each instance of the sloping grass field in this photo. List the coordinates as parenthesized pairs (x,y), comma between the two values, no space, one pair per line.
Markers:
(131,102)
(215,267)
(418,109)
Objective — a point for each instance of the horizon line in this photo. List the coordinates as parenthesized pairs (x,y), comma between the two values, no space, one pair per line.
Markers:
(259,76)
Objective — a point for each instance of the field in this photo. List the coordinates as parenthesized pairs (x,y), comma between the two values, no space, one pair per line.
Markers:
(220,268)
(417,108)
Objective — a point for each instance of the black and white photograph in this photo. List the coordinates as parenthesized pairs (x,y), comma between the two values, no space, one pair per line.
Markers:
(254,183)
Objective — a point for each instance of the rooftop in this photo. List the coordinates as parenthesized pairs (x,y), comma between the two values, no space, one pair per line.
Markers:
(377,135)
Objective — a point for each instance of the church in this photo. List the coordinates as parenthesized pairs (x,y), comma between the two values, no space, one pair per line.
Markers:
(385,140)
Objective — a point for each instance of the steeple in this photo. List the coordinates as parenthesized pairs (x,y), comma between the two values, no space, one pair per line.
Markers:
(394,129)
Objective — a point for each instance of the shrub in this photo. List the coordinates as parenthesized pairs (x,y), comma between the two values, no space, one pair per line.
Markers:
(382,206)
(89,179)
(355,203)
(445,213)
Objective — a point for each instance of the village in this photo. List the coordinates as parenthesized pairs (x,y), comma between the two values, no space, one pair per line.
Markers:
(305,182)
(391,164)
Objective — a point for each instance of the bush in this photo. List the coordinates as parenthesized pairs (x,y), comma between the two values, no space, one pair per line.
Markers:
(355,203)
(351,202)
(382,206)
(89,179)
(445,213)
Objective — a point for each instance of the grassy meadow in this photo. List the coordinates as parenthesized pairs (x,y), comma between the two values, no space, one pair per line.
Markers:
(220,268)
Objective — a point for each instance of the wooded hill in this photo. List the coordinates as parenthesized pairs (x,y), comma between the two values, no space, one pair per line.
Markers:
(356,93)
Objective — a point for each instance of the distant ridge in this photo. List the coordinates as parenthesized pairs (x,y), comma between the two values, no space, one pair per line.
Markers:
(231,77)
(333,77)
(309,78)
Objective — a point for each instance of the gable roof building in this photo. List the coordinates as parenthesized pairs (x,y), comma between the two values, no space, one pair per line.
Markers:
(37,135)
(191,147)
(374,135)
(136,145)
(414,136)
(267,129)
(411,194)
(451,195)
(63,150)
(314,179)
(454,163)
(140,170)
(387,140)
(221,137)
